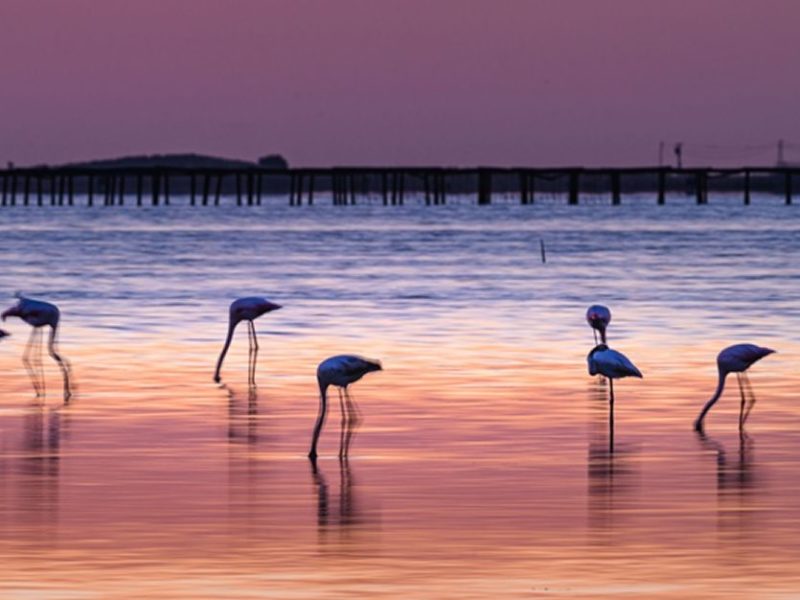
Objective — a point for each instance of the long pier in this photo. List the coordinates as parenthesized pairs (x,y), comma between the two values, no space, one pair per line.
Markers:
(157,186)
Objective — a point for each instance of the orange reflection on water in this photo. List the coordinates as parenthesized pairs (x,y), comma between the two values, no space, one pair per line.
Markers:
(485,473)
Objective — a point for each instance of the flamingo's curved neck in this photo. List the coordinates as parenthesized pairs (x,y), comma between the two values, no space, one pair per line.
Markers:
(698,424)
(323,407)
(231,326)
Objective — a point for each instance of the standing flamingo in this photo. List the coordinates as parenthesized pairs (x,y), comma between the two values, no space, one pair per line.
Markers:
(598,317)
(613,365)
(245,309)
(340,371)
(38,314)
(734,359)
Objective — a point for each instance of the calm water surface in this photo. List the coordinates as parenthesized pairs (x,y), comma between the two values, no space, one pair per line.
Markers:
(482,467)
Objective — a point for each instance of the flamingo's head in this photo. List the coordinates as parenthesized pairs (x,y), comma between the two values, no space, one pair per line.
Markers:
(4,333)
(11,312)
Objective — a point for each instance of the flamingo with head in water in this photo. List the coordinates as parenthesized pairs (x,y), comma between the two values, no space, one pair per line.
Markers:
(340,371)
(734,359)
(39,314)
(598,317)
(245,309)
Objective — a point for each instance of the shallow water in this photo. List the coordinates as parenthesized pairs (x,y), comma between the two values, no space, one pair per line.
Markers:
(482,467)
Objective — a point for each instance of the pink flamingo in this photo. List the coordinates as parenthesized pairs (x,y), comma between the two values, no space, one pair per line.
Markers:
(613,365)
(38,314)
(734,359)
(340,371)
(245,309)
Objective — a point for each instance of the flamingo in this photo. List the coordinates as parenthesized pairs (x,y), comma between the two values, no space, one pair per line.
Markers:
(245,309)
(38,314)
(598,317)
(734,359)
(340,371)
(613,365)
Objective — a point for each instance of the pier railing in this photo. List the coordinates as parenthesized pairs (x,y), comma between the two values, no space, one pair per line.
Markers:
(154,186)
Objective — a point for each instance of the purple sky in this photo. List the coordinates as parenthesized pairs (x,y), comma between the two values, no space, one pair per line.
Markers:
(455,82)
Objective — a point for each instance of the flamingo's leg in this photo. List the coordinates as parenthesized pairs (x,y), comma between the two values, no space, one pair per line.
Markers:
(253,353)
(344,426)
(752,397)
(30,348)
(611,415)
(742,403)
(352,421)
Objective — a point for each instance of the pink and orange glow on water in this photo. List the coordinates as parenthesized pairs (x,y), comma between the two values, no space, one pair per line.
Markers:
(482,467)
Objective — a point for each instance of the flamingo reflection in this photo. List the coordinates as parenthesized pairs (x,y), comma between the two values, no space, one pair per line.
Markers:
(242,416)
(736,480)
(345,511)
(39,314)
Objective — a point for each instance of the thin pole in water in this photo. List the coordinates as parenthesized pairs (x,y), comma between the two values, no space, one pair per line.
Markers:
(544,254)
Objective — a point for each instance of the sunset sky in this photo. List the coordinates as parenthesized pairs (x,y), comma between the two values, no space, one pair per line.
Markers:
(456,82)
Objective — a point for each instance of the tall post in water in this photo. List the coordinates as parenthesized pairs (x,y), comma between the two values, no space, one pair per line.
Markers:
(5,189)
(484,186)
(258,189)
(13,189)
(746,187)
(155,188)
(523,186)
(26,189)
(192,189)
(39,190)
(238,189)
(121,189)
(384,187)
(206,186)
(311,189)
(70,189)
(89,190)
(787,186)
(616,188)
(251,192)
(662,186)
(218,191)
(402,188)
(574,185)
(700,191)
(166,188)
(427,185)
(139,188)
(53,188)
(352,183)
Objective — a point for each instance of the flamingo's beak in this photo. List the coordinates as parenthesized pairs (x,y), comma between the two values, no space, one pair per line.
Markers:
(11,312)
(4,333)
(272,306)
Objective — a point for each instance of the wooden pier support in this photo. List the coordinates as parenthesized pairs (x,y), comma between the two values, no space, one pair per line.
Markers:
(166,189)
(251,192)
(155,189)
(206,187)
(574,187)
(39,190)
(71,190)
(662,186)
(53,188)
(616,188)
(238,189)
(26,190)
(5,190)
(352,182)
(787,187)
(218,191)
(701,187)
(484,187)
(89,190)
(524,192)
(139,189)
(62,185)
(310,189)
(746,188)
(121,195)
(13,194)
(258,189)
(192,189)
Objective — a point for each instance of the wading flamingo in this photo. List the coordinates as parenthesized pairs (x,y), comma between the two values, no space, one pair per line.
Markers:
(734,359)
(340,371)
(598,317)
(38,314)
(613,365)
(245,309)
